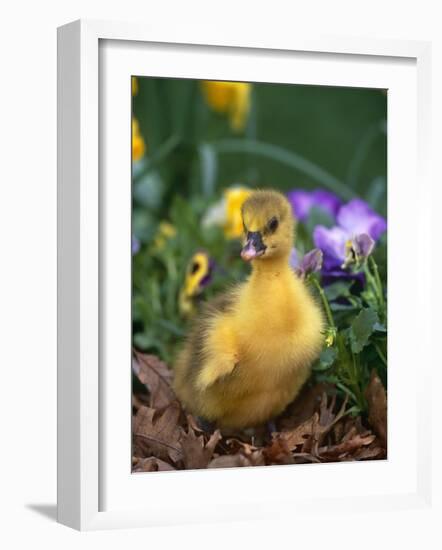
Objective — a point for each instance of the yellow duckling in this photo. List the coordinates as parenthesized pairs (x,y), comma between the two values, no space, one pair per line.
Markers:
(251,349)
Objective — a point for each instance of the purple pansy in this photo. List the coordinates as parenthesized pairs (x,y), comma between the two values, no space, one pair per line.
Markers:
(357,250)
(358,228)
(356,217)
(303,201)
(332,243)
(310,263)
(362,246)
(135,245)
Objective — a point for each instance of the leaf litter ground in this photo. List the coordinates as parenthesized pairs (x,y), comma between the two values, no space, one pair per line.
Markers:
(317,427)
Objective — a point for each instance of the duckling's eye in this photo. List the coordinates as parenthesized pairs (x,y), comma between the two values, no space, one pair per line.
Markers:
(273,224)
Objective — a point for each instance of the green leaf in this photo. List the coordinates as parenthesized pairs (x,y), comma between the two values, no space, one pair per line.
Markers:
(354,411)
(346,390)
(342,307)
(288,157)
(362,328)
(150,107)
(338,290)
(171,327)
(326,359)
(180,95)
(208,167)
(139,167)
(143,224)
(326,377)
(149,190)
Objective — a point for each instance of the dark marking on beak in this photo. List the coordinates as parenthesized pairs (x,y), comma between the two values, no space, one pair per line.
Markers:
(254,246)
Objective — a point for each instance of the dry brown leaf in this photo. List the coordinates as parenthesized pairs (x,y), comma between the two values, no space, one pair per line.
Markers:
(278,452)
(299,435)
(377,407)
(195,453)
(193,423)
(350,434)
(237,461)
(362,430)
(326,414)
(157,431)
(304,406)
(253,453)
(236,445)
(156,376)
(307,437)
(140,400)
(151,464)
(327,420)
(346,447)
(165,439)
(304,458)
(371,452)
(338,431)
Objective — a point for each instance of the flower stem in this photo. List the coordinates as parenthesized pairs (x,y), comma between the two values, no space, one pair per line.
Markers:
(377,279)
(380,353)
(324,302)
(374,280)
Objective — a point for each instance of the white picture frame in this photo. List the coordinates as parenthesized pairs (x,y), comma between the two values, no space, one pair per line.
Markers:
(95,487)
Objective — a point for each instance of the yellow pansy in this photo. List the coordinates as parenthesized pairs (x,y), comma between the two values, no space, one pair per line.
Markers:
(138,145)
(134,85)
(229,98)
(234,199)
(165,231)
(227,212)
(198,276)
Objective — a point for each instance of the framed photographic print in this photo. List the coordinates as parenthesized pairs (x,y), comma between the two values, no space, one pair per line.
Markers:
(232,266)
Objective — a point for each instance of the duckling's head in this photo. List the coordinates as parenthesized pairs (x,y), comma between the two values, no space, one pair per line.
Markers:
(268,226)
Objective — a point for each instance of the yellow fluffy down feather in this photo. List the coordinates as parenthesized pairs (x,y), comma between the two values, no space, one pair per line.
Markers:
(251,349)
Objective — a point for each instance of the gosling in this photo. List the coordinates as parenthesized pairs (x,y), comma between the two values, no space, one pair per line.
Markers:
(251,349)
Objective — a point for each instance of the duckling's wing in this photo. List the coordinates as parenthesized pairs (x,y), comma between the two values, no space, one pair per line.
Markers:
(199,337)
(221,304)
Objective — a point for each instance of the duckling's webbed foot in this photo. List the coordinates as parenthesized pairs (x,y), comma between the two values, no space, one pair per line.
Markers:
(271,427)
(205,424)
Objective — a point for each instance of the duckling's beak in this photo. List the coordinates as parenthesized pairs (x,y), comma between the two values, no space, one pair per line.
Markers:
(254,246)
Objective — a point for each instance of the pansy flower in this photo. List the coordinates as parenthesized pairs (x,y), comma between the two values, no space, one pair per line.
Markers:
(357,217)
(303,201)
(135,245)
(358,249)
(357,226)
(138,145)
(227,212)
(310,263)
(199,275)
(134,82)
(229,98)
